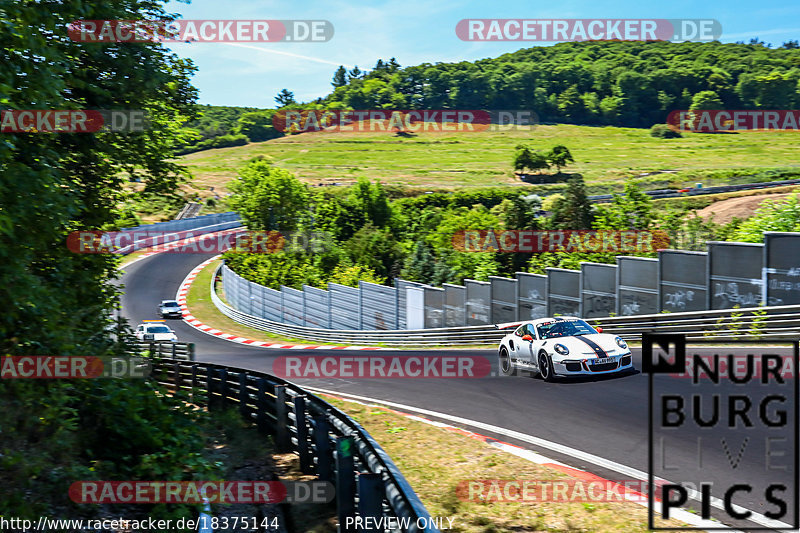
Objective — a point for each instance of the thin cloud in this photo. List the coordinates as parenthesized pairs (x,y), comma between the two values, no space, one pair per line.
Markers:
(288,54)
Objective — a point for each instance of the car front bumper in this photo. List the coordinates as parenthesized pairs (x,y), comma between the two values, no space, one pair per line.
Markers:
(621,363)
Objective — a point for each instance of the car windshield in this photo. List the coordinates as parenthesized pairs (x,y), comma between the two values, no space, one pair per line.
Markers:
(158,329)
(564,328)
(171,304)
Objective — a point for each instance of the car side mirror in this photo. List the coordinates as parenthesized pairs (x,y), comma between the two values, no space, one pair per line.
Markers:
(527,338)
(148,336)
(599,330)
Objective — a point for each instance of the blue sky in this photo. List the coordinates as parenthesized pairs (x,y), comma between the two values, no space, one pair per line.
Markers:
(415,31)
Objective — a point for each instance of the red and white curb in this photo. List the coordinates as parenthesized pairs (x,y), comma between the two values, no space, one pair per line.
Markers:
(183,290)
(681,515)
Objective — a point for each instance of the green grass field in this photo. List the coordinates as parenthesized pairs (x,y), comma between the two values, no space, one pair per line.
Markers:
(606,156)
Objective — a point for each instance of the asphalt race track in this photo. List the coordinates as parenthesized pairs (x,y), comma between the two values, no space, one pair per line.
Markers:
(606,417)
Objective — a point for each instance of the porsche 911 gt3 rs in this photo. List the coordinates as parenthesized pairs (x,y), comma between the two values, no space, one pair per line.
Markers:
(562,346)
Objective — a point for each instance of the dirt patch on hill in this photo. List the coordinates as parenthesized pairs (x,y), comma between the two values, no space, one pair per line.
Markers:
(742,207)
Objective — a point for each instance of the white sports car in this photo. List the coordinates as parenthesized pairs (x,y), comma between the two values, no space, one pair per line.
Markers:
(563,346)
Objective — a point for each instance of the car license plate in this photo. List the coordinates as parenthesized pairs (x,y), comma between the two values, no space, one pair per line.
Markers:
(602,361)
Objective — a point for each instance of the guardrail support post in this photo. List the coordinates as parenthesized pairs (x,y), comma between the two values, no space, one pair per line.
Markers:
(223,386)
(190,347)
(176,368)
(243,395)
(282,442)
(345,482)
(261,405)
(370,497)
(174,353)
(302,434)
(194,381)
(322,443)
(210,386)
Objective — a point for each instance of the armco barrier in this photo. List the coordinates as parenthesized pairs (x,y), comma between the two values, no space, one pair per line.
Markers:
(777,322)
(175,230)
(330,444)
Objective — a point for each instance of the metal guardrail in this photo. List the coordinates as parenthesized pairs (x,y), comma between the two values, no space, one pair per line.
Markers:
(774,322)
(330,444)
(162,349)
(714,189)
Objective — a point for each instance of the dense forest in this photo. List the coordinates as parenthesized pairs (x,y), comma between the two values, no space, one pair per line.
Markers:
(633,84)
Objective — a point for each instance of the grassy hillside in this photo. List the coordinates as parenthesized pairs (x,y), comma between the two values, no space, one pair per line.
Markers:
(606,156)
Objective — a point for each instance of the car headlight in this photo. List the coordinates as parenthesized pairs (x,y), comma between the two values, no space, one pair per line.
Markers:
(561,349)
(621,342)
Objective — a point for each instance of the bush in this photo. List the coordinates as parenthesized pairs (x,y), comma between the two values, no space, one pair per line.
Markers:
(662,131)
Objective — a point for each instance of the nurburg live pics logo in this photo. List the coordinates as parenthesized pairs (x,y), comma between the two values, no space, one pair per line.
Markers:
(727,438)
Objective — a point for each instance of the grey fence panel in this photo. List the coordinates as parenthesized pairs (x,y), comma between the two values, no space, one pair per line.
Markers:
(782,268)
(256,299)
(378,306)
(505,299)
(293,312)
(235,288)
(598,290)
(563,296)
(401,285)
(345,306)
(455,305)
(434,307)
(317,307)
(735,271)
(272,305)
(479,298)
(532,295)
(637,286)
(682,280)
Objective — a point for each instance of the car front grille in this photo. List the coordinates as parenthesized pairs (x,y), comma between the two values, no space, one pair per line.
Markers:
(625,361)
(605,367)
(573,367)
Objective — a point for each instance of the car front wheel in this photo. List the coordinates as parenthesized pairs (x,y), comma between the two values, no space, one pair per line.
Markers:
(546,367)
(506,368)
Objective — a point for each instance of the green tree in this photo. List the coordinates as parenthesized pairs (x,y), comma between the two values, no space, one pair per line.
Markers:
(631,210)
(257,126)
(340,77)
(285,97)
(559,156)
(58,302)
(422,266)
(269,198)
(354,74)
(573,211)
(772,215)
(526,158)
(706,100)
